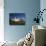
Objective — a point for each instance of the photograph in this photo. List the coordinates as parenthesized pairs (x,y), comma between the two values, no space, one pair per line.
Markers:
(17,18)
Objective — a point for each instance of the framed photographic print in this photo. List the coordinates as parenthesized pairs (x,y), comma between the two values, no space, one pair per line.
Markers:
(17,18)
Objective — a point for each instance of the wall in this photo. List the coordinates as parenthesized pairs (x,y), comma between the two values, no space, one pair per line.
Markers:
(29,7)
(43,6)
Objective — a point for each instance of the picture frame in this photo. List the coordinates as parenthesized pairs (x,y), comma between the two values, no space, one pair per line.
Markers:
(17,18)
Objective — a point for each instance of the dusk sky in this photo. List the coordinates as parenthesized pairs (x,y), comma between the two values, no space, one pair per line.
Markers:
(17,15)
